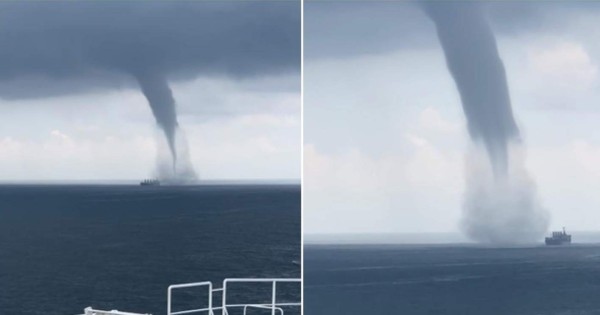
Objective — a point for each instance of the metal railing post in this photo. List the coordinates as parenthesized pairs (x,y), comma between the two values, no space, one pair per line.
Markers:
(274,298)
(210,297)
(224,306)
(169,301)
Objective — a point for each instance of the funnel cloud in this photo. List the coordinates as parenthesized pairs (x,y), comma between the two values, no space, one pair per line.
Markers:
(473,60)
(159,96)
(500,204)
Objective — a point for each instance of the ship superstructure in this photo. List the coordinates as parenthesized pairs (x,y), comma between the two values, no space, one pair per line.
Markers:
(559,238)
(150,182)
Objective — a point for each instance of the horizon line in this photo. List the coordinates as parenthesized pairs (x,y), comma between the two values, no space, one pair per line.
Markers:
(137,181)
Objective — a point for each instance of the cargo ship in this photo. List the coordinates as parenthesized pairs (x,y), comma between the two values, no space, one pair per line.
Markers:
(150,182)
(559,238)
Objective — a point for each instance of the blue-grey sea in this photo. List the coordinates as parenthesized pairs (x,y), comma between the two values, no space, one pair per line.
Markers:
(66,247)
(452,280)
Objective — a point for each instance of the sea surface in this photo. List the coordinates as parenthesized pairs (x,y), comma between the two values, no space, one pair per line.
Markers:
(452,280)
(66,247)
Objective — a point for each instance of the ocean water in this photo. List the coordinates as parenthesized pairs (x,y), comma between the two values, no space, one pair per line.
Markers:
(63,248)
(452,280)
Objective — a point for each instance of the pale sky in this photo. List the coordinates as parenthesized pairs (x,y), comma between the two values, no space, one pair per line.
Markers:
(235,130)
(385,138)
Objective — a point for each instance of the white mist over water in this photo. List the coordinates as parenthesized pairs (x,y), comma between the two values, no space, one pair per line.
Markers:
(503,209)
(169,170)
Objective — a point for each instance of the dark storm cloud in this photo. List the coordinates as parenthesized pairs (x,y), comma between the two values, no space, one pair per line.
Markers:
(338,29)
(64,47)
(346,28)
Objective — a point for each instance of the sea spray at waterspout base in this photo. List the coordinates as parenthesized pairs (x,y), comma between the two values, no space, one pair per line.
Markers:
(501,210)
(167,170)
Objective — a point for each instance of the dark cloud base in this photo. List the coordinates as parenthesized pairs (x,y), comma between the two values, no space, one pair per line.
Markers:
(99,44)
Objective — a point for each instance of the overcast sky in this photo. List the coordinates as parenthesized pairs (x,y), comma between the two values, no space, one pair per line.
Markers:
(71,108)
(385,138)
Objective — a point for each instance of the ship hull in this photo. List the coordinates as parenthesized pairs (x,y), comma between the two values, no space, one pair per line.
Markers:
(553,242)
(150,182)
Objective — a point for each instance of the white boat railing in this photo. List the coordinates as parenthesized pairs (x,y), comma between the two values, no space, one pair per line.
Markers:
(274,306)
(172,287)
